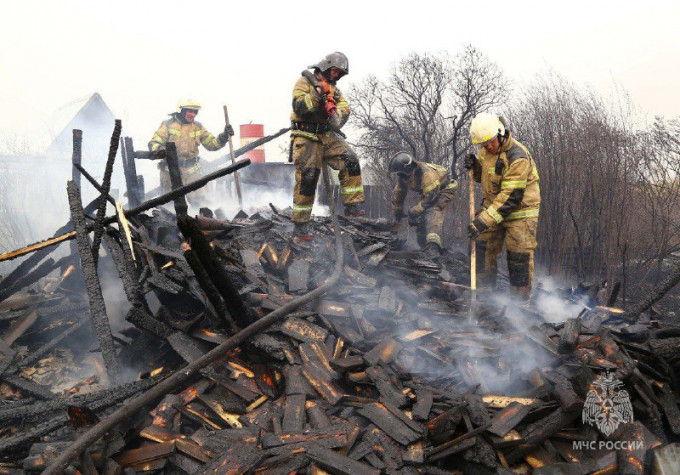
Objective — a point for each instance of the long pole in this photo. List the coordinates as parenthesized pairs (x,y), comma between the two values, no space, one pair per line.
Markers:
(231,154)
(473,247)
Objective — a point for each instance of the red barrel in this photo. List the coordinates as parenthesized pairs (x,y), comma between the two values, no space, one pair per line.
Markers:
(249,134)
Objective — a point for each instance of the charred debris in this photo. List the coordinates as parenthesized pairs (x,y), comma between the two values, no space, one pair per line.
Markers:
(388,371)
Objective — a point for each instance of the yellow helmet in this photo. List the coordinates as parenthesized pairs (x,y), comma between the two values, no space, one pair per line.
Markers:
(188,104)
(485,127)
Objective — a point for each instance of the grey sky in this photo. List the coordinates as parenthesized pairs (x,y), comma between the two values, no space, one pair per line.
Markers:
(144,55)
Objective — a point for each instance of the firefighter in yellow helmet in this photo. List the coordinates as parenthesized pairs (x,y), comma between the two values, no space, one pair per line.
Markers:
(319,112)
(510,207)
(436,188)
(187,134)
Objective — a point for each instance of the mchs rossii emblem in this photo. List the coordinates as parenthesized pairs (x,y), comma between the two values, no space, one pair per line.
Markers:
(607,404)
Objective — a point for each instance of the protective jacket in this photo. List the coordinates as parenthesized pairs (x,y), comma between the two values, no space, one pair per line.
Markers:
(309,111)
(187,138)
(509,181)
(427,179)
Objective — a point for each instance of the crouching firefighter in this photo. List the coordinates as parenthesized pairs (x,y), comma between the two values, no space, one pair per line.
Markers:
(509,211)
(187,134)
(436,188)
(319,112)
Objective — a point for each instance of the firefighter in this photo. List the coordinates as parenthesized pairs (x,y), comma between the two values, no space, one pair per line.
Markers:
(187,133)
(319,112)
(436,188)
(509,212)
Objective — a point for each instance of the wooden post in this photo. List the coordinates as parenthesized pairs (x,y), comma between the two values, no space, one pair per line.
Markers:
(231,154)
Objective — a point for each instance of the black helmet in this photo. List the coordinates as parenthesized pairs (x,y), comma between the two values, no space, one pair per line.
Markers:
(402,163)
(333,60)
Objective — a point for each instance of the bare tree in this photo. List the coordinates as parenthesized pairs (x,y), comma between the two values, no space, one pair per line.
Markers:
(424,106)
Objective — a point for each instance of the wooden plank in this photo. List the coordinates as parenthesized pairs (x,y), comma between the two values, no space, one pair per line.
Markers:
(385,386)
(145,454)
(294,413)
(302,330)
(379,415)
(298,276)
(337,463)
(506,420)
(327,389)
(20,326)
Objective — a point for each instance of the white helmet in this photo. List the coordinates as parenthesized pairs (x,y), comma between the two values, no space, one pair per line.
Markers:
(188,104)
(485,127)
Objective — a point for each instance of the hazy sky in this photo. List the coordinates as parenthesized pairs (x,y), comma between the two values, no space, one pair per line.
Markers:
(143,55)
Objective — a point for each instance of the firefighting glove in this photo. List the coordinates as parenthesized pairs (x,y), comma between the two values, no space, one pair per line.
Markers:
(469,161)
(224,136)
(475,228)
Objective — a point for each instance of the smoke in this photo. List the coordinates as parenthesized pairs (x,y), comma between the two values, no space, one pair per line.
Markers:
(496,352)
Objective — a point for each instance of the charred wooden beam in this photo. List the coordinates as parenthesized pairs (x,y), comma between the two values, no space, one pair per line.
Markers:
(95,184)
(208,288)
(29,387)
(134,193)
(106,186)
(103,397)
(508,418)
(172,162)
(13,443)
(541,430)
(216,272)
(94,290)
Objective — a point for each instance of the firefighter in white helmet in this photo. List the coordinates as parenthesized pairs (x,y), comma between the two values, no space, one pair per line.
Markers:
(187,134)
(509,212)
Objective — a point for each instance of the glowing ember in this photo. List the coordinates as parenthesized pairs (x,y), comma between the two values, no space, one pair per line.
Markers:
(156,371)
(169,264)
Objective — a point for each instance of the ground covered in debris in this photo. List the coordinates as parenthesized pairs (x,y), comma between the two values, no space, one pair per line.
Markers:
(393,370)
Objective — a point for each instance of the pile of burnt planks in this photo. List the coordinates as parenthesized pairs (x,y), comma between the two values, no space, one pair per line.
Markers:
(389,371)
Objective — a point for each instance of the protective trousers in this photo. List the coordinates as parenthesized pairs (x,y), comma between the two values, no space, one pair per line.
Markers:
(519,237)
(431,222)
(308,156)
(189,174)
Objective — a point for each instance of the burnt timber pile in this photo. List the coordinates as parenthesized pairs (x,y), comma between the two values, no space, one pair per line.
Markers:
(388,371)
